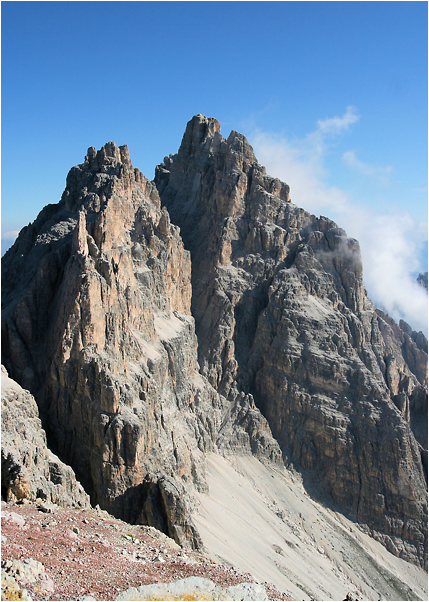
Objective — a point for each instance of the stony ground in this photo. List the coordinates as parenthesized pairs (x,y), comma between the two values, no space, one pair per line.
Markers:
(90,553)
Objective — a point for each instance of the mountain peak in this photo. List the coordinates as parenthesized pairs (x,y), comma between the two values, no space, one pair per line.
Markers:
(238,143)
(91,182)
(200,132)
(281,313)
(110,154)
(229,320)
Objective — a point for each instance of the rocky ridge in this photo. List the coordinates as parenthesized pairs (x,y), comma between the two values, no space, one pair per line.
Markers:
(97,326)
(100,294)
(282,314)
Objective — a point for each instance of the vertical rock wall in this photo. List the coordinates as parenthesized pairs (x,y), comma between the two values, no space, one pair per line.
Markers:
(29,470)
(97,325)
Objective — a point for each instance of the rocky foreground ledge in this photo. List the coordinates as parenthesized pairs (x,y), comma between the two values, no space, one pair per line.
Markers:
(54,553)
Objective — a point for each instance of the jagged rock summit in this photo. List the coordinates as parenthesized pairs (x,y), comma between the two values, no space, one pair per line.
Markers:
(287,359)
(97,325)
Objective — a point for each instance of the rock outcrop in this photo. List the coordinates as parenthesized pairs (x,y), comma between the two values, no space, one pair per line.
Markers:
(194,588)
(97,325)
(282,315)
(29,470)
(422,279)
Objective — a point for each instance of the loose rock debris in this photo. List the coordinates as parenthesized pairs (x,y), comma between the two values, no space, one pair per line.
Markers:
(86,554)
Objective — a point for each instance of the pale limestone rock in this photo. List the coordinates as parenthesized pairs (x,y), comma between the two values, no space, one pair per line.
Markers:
(11,589)
(18,573)
(105,289)
(97,324)
(194,588)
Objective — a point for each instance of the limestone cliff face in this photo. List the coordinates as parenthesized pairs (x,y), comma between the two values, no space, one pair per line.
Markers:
(97,324)
(282,314)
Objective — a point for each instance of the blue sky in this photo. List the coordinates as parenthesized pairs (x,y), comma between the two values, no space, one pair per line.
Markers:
(332,95)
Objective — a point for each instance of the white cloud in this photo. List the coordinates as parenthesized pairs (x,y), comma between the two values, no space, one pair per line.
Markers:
(317,142)
(10,235)
(381,174)
(299,164)
(389,242)
(7,240)
(390,245)
(336,125)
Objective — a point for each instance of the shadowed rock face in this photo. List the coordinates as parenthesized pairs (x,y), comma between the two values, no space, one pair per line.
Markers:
(282,314)
(29,470)
(97,325)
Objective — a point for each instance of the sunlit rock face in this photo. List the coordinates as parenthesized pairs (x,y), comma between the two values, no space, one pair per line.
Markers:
(282,314)
(97,324)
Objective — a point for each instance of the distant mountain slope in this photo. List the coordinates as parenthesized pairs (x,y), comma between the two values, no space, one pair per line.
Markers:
(422,279)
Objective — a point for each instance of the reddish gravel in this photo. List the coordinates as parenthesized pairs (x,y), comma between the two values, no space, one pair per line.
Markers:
(88,552)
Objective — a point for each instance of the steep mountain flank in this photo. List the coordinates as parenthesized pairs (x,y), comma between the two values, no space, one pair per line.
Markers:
(96,324)
(282,314)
